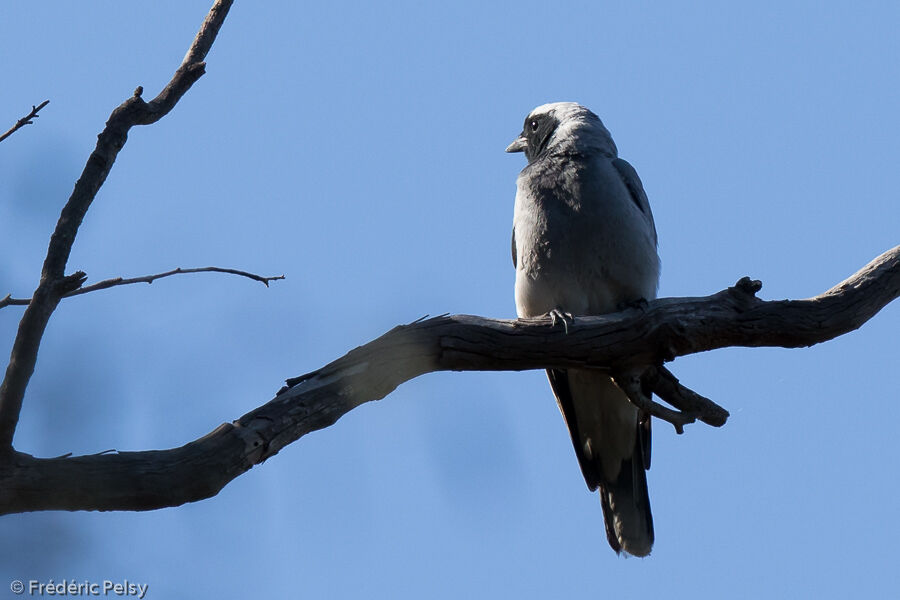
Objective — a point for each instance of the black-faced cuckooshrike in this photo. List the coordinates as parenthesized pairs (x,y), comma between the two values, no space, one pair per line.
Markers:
(584,243)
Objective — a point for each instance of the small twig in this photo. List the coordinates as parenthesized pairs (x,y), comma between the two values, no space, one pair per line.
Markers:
(104,452)
(108,283)
(116,281)
(26,120)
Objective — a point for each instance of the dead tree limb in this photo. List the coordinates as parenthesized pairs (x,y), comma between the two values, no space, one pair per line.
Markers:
(623,342)
(8,300)
(54,284)
(631,346)
(26,120)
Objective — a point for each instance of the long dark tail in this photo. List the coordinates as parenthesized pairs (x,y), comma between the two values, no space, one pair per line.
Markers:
(626,506)
(625,500)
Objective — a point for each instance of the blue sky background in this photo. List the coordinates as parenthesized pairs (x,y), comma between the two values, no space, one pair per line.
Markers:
(358,149)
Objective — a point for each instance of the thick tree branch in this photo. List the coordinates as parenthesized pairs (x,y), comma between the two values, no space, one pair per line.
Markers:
(8,300)
(133,111)
(620,343)
(26,120)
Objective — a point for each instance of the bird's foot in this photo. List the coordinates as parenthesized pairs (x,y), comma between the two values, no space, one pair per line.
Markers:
(557,316)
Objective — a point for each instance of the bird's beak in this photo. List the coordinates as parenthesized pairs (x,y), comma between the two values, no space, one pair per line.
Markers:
(518,145)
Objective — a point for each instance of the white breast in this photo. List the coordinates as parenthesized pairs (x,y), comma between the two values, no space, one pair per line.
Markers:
(584,259)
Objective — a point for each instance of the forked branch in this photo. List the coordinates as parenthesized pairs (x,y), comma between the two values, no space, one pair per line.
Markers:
(53,283)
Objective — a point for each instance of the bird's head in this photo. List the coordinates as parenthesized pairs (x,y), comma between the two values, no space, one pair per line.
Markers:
(562,127)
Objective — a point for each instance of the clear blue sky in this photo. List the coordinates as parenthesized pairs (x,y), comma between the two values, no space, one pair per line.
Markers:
(358,149)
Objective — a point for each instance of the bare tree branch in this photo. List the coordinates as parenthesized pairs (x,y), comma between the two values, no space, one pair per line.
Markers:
(54,284)
(623,342)
(26,120)
(116,281)
(8,300)
(630,381)
(666,386)
(108,283)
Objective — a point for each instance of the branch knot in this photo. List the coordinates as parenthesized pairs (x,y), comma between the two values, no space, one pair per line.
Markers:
(748,286)
(70,283)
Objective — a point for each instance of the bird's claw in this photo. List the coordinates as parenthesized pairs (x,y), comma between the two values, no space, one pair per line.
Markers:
(557,315)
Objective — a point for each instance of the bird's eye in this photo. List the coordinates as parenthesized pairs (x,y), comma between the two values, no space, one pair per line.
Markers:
(533,125)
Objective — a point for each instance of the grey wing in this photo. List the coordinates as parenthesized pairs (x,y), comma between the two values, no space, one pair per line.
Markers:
(636,189)
(515,261)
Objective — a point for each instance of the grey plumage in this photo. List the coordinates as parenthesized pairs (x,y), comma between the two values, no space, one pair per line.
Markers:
(584,243)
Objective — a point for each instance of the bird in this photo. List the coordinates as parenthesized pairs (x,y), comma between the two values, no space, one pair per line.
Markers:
(584,243)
